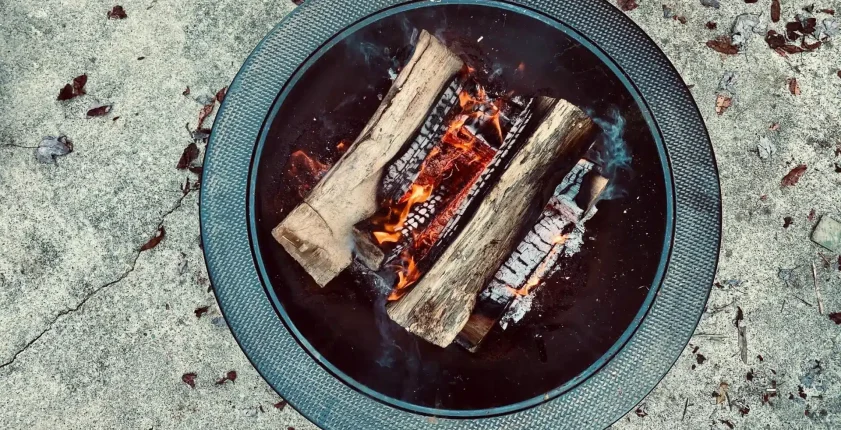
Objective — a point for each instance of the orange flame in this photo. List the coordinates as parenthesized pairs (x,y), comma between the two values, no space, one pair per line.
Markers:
(407,274)
(417,194)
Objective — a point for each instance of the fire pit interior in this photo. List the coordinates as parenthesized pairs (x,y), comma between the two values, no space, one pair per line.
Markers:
(480,237)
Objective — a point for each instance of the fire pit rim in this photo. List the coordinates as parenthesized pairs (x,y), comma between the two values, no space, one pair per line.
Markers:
(244,324)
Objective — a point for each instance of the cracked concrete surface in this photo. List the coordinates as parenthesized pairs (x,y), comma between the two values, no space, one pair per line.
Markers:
(98,335)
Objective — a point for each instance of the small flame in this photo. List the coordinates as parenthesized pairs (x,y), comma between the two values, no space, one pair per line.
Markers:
(537,277)
(407,274)
(522,67)
(342,147)
(417,194)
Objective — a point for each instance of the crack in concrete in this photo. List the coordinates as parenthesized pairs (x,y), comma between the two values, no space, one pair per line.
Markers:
(98,289)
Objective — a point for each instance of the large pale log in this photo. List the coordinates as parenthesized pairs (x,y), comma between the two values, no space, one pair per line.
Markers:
(439,305)
(318,233)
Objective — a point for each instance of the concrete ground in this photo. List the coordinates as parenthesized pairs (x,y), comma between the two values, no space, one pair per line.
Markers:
(96,334)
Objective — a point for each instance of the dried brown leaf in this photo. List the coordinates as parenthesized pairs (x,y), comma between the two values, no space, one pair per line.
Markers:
(724,45)
(189,379)
(220,96)
(99,111)
(155,240)
(775,10)
(793,176)
(205,111)
(191,152)
(793,86)
(627,5)
(75,89)
(117,12)
(712,25)
(186,92)
(230,376)
(722,103)
(201,311)
(836,317)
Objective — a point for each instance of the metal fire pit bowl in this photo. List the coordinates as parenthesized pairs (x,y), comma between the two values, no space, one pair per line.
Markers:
(614,384)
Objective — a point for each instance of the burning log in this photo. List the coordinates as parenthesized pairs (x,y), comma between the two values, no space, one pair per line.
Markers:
(319,233)
(439,305)
(556,234)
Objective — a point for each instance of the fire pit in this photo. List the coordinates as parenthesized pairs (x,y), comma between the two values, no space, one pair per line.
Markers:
(460,210)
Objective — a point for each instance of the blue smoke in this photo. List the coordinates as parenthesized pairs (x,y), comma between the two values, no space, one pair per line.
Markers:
(612,153)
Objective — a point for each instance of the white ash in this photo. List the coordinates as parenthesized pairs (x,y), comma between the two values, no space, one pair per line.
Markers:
(830,26)
(744,26)
(517,310)
(765,148)
(52,147)
(728,82)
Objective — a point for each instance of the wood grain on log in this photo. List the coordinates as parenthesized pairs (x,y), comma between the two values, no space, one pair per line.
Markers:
(537,254)
(318,233)
(438,307)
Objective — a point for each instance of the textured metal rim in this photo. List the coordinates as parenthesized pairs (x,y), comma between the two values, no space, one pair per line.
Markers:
(594,403)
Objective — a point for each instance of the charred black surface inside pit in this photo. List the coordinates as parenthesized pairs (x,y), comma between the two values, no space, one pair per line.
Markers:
(583,310)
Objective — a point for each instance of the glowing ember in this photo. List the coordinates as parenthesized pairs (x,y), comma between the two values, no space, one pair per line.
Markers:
(305,171)
(537,277)
(342,147)
(458,160)
(407,274)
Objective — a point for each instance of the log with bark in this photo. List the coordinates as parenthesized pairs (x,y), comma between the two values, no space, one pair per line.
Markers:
(319,233)
(557,233)
(439,305)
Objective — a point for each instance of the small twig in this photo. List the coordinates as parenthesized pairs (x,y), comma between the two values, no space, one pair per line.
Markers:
(802,300)
(743,344)
(685,405)
(817,290)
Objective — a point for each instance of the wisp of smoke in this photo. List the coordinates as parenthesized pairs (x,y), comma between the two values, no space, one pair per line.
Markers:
(612,153)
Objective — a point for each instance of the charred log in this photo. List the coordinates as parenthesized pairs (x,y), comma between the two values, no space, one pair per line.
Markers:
(556,234)
(318,233)
(438,307)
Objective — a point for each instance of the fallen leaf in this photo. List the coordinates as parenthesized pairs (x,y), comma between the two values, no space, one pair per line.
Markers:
(787,221)
(230,376)
(836,317)
(205,111)
(186,92)
(201,311)
(839,73)
(751,1)
(749,375)
(774,127)
(775,40)
(141,58)
(191,152)
(76,89)
(739,316)
(722,103)
(641,412)
(793,86)
(117,12)
(155,240)
(700,359)
(793,176)
(298,2)
(115,118)
(811,216)
(721,396)
(627,5)
(52,147)
(281,404)
(220,96)
(724,45)
(775,10)
(99,111)
(728,424)
(712,25)
(828,11)
(189,379)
